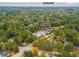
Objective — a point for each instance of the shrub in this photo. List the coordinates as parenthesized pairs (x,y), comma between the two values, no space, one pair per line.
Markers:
(28,54)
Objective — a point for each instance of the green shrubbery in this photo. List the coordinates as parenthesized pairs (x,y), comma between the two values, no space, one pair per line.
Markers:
(28,54)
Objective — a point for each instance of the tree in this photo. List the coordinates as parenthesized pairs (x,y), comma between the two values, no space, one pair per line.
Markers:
(14,27)
(59,32)
(69,46)
(59,22)
(1,45)
(3,36)
(76,41)
(60,45)
(15,48)
(34,51)
(70,34)
(30,38)
(33,27)
(43,44)
(3,39)
(11,46)
(64,54)
(18,39)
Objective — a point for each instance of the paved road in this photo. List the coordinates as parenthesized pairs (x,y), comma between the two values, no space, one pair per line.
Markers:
(22,49)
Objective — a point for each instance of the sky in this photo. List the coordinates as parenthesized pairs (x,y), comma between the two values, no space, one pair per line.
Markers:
(38,4)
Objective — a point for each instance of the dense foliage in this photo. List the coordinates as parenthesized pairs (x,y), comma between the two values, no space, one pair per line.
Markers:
(17,26)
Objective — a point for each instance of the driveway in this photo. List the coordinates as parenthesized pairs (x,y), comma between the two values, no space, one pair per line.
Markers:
(22,49)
